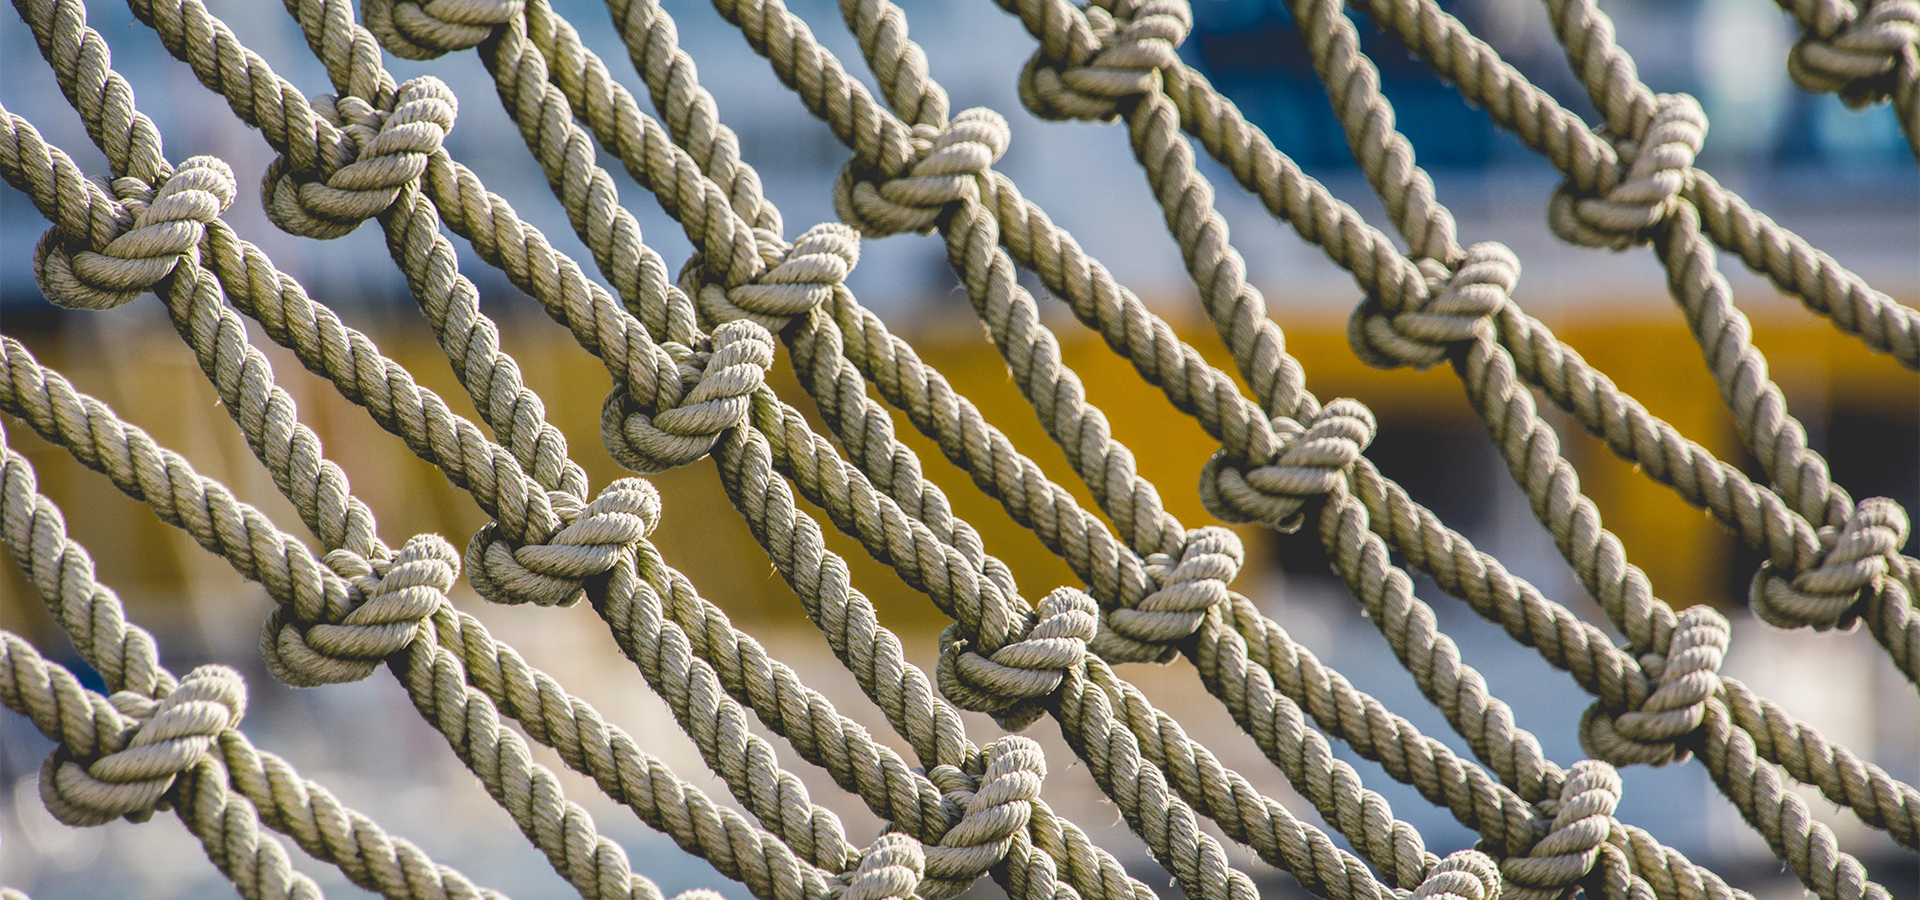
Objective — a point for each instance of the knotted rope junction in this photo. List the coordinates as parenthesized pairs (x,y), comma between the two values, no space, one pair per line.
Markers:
(688,355)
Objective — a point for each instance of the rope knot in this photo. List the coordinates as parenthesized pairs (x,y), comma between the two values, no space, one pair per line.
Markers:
(889,869)
(1011,681)
(1182,590)
(1683,680)
(993,813)
(1832,593)
(681,423)
(1087,75)
(589,543)
(161,226)
(167,737)
(381,153)
(946,163)
(387,600)
(1656,170)
(1462,875)
(1457,307)
(797,279)
(425,29)
(1580,821)
(1310,463)
(1858,59)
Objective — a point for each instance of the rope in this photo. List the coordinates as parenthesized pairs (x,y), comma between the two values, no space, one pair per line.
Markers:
(688,357)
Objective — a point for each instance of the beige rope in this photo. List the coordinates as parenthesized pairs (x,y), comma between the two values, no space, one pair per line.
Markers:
(688,357)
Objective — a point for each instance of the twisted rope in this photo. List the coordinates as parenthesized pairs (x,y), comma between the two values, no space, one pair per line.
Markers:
(688,360)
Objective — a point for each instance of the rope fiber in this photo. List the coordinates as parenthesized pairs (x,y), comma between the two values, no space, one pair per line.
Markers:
(688,353)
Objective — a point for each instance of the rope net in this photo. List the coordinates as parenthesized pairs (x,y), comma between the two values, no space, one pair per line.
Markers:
(688,352)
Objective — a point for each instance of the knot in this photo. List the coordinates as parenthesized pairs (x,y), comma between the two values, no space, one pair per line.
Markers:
(590,542)
(946,163)
(1832,593)
(1181,592)
(714,393)
(1457,308)
(1122,60)
(1462,875)
(1625,214)
(169,736)
(384,151)
(165,224)
(1582,818)
(386,602)
(1683,680)
(796,281)
(889,869)
(425,29)
(1311,463)
(1860,59)
(1011,682)
(993,813)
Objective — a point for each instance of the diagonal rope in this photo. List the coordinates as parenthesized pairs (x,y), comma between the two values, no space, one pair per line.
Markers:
(687,355)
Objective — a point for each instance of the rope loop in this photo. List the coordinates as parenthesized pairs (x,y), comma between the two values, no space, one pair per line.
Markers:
(1656,164)
(1183,589)
(388,150)
(161,226)
(1089,80)
(890,869)
(1580,821)
(1461,875)
(946,163)
(1684,679)
(168,737)
(1012,682)
(1857,58)
(995,808)
(387,600)
(1458,307)
(797,279)
(1311,462)
(426,29)
(714,393)
(1833,592)
(590,542)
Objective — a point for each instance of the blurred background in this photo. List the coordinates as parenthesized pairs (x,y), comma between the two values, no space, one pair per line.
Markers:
(1841,178)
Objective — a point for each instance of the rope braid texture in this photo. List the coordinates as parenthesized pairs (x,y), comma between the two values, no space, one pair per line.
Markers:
(1415,240)
(688,355)
(962,657)
(709,676)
